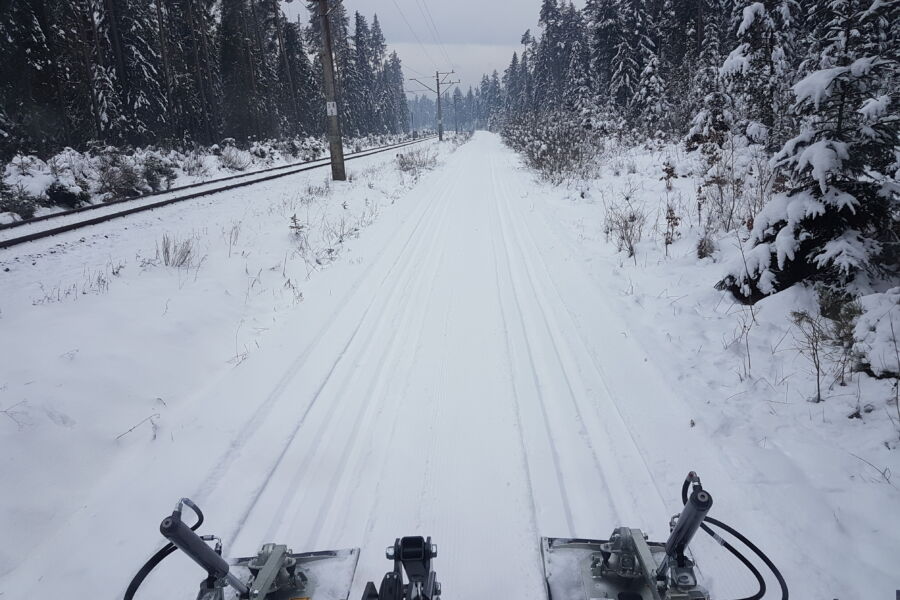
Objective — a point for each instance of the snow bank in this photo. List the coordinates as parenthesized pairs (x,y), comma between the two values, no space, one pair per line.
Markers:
(877,333)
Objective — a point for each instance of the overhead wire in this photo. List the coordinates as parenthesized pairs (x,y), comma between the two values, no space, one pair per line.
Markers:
(413,32)
(432,26)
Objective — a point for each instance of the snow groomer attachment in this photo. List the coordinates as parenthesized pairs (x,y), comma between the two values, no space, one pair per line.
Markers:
(413,555)
(275,573)
(628,567)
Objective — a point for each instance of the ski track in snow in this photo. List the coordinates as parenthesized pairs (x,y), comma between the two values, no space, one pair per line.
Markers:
(470,383)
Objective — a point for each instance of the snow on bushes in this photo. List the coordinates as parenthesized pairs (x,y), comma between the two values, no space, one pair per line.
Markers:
(71,178)
(877,334)
(835,222)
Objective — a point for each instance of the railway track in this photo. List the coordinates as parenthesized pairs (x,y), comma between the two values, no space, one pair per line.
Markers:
(247,179)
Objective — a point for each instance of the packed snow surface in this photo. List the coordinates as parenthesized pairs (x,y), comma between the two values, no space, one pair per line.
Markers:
(448,354)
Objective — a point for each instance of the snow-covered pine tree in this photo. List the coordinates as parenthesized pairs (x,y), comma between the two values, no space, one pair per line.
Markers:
(396,109)
(715,119)
(459,105)
(759,70)
(381,92)
(650,103)
(143,89)
(494,102)
(512,86)
(602,24)
(243,97)
(310,100)
(194,58)
(525,103)
(578,92)
(625,65)
(837,222)
(30,80)
(562,25)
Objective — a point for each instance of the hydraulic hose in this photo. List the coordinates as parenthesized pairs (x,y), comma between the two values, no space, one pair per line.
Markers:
(163,552)
(746,562)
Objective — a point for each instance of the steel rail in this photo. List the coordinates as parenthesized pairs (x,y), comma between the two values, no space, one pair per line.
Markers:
(298,168)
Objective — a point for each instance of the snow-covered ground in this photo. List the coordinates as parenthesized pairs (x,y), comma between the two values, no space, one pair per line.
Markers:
(461,355)
(150,170)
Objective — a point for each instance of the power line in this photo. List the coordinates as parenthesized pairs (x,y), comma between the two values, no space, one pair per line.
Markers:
(419,73)
(430,24)
(412,31)
(438,34)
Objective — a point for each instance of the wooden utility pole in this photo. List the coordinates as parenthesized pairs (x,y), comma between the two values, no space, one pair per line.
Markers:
(439,79)
(335,143)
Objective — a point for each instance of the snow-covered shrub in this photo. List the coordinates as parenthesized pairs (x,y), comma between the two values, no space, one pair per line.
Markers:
(74,169)
(557,146)
(235,159)
(736,181)
(416,161)
(158,170)
(625,224)
(17,201)
(877,334)
(119,176)
(261,150)
(843,312)
(60,194)
(706,245)
(194,164)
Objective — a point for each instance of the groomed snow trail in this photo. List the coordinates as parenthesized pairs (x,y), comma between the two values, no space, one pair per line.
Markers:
(450,387)
(453,400)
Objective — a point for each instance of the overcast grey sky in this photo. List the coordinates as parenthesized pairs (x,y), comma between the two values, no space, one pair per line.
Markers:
(473,36)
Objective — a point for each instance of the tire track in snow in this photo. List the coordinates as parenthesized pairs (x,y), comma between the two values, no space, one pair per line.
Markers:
(536,367)
(364,477)
(554,452)
(372,396)
(247,433)
(625,496)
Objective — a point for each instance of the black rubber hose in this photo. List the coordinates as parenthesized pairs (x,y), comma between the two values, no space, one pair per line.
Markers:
(761,592)
(157,558)
(762,555)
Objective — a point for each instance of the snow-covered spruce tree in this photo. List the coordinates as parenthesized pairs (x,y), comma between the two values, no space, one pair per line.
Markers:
(525,103)
(309,98)
(759,70)
(650,102)
(32,107)
(138,62)
(512,86)
(714,121)
(579,98)
(625,64)
(399,119)
(602,22)
(242,97)
(837,222)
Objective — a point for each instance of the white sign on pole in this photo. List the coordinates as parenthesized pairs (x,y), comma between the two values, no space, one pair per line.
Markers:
(331,109)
